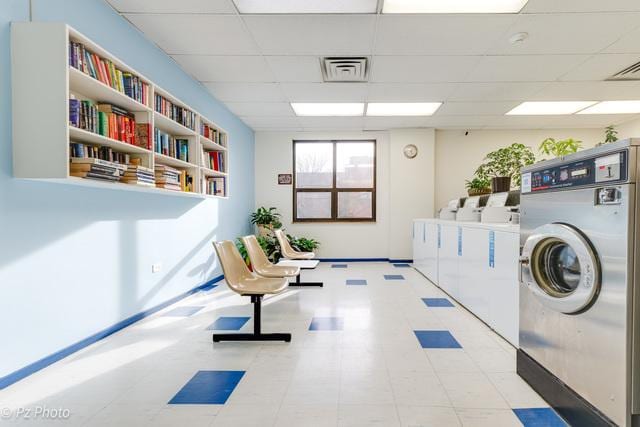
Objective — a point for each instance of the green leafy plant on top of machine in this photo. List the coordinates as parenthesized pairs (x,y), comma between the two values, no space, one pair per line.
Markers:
(266,219)
(478,186)
(563,147)
(610,135)
(506,163)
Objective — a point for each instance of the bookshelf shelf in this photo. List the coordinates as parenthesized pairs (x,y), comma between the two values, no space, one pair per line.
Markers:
(84,84)
(81,135)
(73,63)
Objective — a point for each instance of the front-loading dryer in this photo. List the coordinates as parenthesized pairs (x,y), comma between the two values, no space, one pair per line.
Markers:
(578,298)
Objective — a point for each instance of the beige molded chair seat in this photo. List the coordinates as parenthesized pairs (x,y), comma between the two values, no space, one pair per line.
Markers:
(261,264)
(244,282)
(286,249)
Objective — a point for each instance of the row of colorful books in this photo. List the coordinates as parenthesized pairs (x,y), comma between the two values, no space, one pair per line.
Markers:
(213,160)
(216,186)
(175,112)
(84,151)
(93,168)
(104,70)
(213,134)
(104,119)
(166,144)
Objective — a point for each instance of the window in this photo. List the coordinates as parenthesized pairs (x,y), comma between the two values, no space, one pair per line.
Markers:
(334,181)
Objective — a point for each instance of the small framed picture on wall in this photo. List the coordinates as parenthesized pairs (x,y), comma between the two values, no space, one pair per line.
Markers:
(285,179)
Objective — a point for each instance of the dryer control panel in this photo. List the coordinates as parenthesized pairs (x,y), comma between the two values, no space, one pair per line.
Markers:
(609,168)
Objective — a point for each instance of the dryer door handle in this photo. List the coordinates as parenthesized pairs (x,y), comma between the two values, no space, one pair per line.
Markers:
(522,262)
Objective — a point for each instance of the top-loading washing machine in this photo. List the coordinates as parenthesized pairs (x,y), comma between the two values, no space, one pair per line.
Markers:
(579,312)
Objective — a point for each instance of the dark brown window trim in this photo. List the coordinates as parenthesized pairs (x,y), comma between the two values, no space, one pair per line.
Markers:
(333,190)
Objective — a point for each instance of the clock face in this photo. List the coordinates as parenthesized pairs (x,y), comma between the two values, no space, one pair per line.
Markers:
(410,151)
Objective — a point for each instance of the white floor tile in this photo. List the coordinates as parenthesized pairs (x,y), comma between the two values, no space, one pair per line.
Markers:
(367,415)
(488,418)
(427,416)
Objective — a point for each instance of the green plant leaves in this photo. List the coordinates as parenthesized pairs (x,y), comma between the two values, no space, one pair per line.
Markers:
(506,162)
(551,147)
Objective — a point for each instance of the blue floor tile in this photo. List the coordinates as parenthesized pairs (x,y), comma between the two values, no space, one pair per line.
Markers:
(208,388)
(436,339)
(356,282)
(183,311)
(228,323)
(401,265)
(539,417)
(326,324)
(208,288)
(393,277)
(437,302)
(338,265)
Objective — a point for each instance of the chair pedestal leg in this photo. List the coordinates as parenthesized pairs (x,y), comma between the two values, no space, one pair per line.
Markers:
(257,334)
(299,283)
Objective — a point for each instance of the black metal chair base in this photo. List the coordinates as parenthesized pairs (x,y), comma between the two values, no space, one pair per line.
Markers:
(257,334)
(251,337)
(299,283)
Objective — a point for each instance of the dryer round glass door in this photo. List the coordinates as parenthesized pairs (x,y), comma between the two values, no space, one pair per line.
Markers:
(560,267)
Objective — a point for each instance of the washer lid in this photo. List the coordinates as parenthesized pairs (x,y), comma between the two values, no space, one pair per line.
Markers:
(560,267)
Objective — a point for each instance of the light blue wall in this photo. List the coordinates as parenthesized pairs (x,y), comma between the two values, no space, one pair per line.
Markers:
(76,260)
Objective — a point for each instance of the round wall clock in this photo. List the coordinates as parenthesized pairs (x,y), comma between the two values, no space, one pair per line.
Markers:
(410,151)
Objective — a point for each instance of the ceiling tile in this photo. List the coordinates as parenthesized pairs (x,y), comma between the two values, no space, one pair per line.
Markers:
(376,123)
(199,34)
(600,67)
(312,34)
(582,121)
(226,68)
(597,91)
(529,68)
(172,6)
(579,33)
(410,92)
(332,122)
(295,68)
(306,6)
(475,108)
(325,92)
(246,92)
(267,109)
(266,123)
(550,6)
(626,44)
(495,91)
(460,122)
(410,69)
(429,34)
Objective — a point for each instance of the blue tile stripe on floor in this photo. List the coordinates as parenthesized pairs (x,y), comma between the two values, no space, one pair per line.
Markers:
(184,311)
(539,417)
(436,339)
(401,265)
(437,302)
(225,323)
(356,282)
(208,388)
(338,265)
(326,324)
(393,277)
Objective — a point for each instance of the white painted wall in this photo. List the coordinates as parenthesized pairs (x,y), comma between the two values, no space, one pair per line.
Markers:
(457,156)
(404,191)
(629,130)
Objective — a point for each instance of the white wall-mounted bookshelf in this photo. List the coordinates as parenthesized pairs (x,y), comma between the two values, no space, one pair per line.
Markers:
(43,82)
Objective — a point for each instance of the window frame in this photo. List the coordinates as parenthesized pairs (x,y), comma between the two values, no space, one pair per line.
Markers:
(333,189)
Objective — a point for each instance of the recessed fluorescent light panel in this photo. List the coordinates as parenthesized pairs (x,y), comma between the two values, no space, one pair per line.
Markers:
(549,108)
(613,107)
(306,6)
(328,108)
(402,108)
(453,6)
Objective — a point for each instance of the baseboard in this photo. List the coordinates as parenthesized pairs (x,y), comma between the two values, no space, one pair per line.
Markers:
(573,408)
(365,260)
(36,366)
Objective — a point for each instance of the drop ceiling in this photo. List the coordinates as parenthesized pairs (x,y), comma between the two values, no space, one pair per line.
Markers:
(258,64)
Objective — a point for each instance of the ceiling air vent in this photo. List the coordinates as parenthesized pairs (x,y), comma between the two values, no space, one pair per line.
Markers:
(345,69)
(630,73)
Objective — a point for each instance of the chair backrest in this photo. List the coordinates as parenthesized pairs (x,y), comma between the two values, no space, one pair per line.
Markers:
(259,260)
(233,266)
(285,247)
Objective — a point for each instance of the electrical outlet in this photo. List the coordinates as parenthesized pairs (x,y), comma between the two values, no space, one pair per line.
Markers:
(156,267)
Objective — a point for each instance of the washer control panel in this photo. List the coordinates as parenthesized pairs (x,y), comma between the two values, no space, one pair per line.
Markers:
(609,168)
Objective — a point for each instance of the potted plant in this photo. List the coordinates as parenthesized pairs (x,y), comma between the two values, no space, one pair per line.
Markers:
(303,244)
(478,186)
(503,166)
(551,147)
(266,220)
(610,135)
